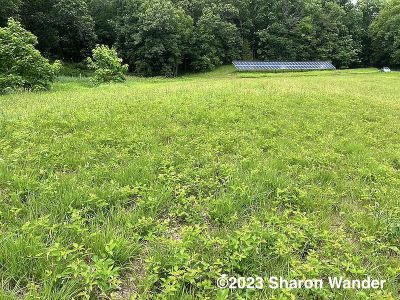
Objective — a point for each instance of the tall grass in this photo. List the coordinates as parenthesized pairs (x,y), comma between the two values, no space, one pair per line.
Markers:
(156,187)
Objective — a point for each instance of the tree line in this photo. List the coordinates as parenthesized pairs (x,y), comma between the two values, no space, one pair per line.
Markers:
(164,37)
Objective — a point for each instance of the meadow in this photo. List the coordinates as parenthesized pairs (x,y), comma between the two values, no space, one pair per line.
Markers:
(153,188)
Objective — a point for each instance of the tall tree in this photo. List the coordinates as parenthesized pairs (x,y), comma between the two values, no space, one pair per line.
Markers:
(8,9)
(75,29)
(385,32)
(38,17)
(277,37)
(64,27)
(154,36)
(365,13)
(216,39)
(103,13)
(158,37)
(334,40)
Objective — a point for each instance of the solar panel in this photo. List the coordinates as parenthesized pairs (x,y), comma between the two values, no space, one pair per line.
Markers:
(282,65)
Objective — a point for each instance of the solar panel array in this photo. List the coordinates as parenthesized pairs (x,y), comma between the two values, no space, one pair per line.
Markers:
(282,65)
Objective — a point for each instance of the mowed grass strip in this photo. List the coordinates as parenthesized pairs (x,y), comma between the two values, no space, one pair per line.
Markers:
(155,187)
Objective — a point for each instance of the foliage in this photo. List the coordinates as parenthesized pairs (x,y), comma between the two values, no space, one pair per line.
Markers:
(333,35)
(21,66)
(215,40)
(154,188)
(107,65)
(38,17)
(308,31)
(8,9)
(168,37)
(276,32)
(103,14)
(64,28)
(155,44)
(386,35)
(367,11)
(75,29)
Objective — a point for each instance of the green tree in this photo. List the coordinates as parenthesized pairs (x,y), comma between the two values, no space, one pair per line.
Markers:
(162,37)
(22,67)
(154,36)
(305,30)
(37,16)
(359,19)
(75,29)
(8,9)
(277,43)
(331,33)
(107,65)
(277,33)
(385,32)
(216,40)
(103,14)
(64,28)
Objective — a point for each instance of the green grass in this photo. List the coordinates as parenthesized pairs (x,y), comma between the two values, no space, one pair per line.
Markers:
(155,187)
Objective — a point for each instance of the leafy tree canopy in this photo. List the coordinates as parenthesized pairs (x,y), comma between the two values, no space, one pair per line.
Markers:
(386,35)
(165,37)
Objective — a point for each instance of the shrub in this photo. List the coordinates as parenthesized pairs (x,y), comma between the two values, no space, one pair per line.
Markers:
(22,67)
(107,65)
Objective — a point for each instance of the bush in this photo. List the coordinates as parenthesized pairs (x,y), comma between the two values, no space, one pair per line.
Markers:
(107,65)
(22,67)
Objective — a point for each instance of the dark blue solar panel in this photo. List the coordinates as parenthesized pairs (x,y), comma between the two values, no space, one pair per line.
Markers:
(282,65)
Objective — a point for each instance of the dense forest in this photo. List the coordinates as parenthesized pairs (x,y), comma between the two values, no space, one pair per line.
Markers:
(164,37)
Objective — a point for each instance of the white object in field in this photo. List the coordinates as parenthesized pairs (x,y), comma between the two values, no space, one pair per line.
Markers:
(386,70)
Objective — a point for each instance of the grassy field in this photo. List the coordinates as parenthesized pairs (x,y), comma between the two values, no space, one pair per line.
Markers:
(155,187)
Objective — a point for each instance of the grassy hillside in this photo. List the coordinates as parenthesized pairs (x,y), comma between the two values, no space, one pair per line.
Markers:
(156,187)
